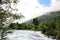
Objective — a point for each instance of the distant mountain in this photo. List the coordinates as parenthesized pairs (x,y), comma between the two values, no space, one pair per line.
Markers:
(47,16)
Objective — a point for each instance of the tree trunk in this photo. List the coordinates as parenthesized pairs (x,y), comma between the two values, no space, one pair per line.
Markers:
(1,30)
(0,22)
(58,36)
(2,34)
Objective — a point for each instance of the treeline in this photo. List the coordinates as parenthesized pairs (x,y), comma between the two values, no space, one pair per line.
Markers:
(23,26)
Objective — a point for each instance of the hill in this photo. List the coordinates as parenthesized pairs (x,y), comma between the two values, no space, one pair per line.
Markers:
(47,16)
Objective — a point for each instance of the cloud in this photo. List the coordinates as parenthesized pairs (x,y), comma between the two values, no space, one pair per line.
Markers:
(32,8)
(55,6)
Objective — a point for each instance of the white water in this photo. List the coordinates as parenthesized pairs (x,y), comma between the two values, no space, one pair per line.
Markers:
(27,35)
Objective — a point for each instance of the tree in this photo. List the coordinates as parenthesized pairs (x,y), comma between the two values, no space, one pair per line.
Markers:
(6,16)
(35,21)
(51,27)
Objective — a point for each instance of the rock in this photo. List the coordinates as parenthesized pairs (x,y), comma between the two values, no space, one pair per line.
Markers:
(53,37)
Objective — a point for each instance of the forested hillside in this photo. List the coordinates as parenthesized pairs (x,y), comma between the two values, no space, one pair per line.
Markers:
(49,24)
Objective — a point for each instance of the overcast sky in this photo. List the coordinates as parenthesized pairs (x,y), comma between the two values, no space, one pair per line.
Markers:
(34,8)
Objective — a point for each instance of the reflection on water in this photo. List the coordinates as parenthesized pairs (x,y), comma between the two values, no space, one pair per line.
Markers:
(27,35)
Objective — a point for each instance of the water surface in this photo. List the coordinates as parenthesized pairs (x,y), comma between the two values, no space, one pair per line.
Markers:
(27,35)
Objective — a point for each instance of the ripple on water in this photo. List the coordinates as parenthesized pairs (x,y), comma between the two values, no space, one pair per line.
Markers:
(27,35)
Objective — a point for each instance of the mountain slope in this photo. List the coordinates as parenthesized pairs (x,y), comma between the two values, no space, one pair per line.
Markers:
(47,16)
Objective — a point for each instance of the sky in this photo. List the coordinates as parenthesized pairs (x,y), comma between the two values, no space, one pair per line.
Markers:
(45,2)
(34,8)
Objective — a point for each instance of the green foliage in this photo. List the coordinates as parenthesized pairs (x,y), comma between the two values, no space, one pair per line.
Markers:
(15,1)
(35,21)
(23,26)
(5,13)
(52,26)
